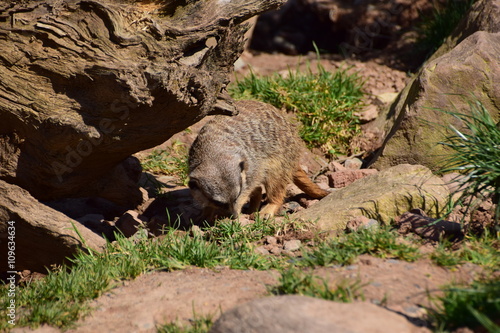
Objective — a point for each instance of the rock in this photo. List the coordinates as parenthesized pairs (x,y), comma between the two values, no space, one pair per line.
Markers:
(454,78)
(292,245)
(311,163)
(455,182)
(484,15)
(271,240)
(43,236)
(261,250)
(289,314)
(367,115)
(356,27)
(381,196)
(129,222)
(335,166)
(353,163)
(291,207)
(345,177)
(322,181)
(361,222)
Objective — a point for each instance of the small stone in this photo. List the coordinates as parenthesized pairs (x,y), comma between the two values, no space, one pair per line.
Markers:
(145,195)
(291,207)
(292,245)
(346,177)
(353,163)
(335,166)
(361,222)
(309,203)
(275,250)
(261,250)
(129,222)
(288,253)
(271,240)
(322,182)
(196,231)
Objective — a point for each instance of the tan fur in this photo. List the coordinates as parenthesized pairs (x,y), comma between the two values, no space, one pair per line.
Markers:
(234,158)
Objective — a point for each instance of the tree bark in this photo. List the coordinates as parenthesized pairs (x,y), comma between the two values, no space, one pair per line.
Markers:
(85,84)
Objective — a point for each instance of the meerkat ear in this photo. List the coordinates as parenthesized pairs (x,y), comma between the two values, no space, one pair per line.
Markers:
(243,166)
(243,172)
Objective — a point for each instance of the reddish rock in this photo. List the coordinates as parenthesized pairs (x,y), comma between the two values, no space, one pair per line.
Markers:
(345,177)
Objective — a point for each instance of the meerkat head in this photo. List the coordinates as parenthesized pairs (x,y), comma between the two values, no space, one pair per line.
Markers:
(218,184)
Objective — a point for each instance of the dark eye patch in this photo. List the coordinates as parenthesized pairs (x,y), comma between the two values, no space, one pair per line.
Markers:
(193,184)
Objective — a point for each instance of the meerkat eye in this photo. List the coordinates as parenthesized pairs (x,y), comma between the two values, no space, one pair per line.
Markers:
(242,166)
(193,184)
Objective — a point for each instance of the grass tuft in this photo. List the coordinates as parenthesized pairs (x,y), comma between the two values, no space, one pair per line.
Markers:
(297,282)
(380,242)
(477,305)
(475,154)
(199,324)
(172,161)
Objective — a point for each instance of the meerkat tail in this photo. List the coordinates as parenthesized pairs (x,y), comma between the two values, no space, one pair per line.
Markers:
(301,179)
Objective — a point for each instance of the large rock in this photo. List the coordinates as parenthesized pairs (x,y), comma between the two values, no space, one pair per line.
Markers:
(298,314)
(415,124)
(382,197)
(41,235)
(85,84)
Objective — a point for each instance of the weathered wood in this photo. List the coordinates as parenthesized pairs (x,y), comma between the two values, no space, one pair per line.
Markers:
(84,84)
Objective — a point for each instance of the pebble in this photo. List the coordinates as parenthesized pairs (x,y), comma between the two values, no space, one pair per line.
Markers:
(292,245)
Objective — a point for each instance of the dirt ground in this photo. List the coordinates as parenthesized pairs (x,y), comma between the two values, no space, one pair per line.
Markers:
(181,296)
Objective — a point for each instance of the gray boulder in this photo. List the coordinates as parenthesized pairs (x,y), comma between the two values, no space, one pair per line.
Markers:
(382,196)
(290,314)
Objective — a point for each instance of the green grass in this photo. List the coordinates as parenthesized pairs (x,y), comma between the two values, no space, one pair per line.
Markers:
(197,325)
(435,28)
(325,103)
(172,161)
(475,153)
(481,250)
(62,296)
(294,281)
(474,306)
(380,242)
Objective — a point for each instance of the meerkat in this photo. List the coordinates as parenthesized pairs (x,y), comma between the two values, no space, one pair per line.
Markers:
(233,159)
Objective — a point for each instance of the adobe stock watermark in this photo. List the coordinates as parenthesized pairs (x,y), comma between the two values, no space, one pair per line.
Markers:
(75,155)
(364,37)
(11,273)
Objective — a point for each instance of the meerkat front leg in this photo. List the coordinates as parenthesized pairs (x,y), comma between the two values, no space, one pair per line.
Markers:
(255,200)
(275,197)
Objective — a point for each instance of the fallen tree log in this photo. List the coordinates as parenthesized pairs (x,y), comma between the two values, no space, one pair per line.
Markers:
(85,84)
